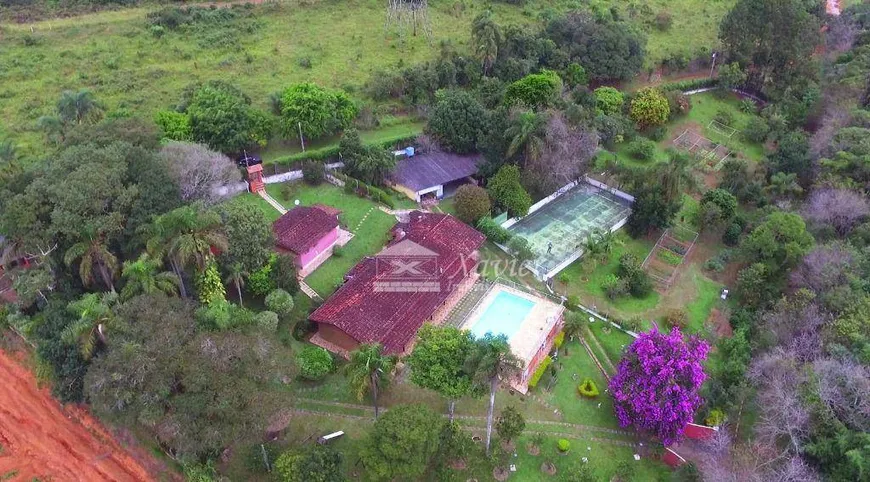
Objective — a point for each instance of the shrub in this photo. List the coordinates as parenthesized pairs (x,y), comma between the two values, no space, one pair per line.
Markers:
(520,248)
(535,90)
(284,273)
(559,340)
(314,363)
(493,231)
(756,130)
(731,236)
(313,172)
(223,315)
(279,301)
(658,133)
(640,285)
(614,286)
(260,282)
(714,264)
(209,286)
(649,108)
(539,372)
(588,388)
(724,116)
(677,318)
(472,203)
(609,100)
(634,324)
(268,320)
(338,251)
(664,20)
(748,106)
(573,302)
(173,125)
(715,418)
(563,445)
(642,148)
(564,277)
(678,102)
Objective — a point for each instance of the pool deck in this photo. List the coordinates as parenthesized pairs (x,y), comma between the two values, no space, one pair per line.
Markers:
(530,337)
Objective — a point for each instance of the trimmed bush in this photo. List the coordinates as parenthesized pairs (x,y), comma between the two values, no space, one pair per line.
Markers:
(559,340)
(260,282)
(731,236)
(314,363)
(280,302)
(268,320)
(493,231)
(539,372)
(677,318)
(563,445)
(588,389)
(642,149)
(313,172)
(715,418)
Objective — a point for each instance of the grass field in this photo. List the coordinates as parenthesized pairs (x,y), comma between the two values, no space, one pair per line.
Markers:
(133,72)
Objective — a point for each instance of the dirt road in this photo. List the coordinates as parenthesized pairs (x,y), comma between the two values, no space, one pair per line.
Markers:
(39,438)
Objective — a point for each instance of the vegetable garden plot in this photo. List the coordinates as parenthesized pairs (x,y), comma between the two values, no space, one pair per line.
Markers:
(663,262)
(711,154)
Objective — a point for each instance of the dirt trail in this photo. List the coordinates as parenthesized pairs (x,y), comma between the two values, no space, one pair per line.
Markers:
(39,438)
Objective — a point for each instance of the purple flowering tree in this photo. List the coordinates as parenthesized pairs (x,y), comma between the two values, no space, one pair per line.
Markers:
(656,387)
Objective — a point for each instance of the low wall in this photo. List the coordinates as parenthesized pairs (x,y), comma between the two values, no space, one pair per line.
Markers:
(538,205)
(612,190)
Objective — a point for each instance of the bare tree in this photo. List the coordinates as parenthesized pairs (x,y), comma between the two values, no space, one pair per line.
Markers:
(835,118)
(566,154)
(844,389)
(825,267)
(199,170)
(841,209)
(795,325)
(783,418)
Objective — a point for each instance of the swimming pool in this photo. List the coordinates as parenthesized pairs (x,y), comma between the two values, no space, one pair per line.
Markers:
(503,316)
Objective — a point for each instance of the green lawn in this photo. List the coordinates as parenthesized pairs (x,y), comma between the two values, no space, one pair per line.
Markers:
(360,216)
(705,107)
(586,278)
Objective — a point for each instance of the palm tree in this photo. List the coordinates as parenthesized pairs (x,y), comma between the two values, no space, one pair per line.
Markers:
(485,38)
(142,277)
(369,370)
(94,315)
(600,243)
(573,324)
(93,252)
(490,360)
(784,185)
(236,276)
(76,106)
(52,126)
(526,133)
(186,236)
(675,176)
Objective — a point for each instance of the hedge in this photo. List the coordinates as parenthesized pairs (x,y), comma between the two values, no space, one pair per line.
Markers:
(685,85)
(560,338)
(539,372)
(362,189)
(588,388)
(493,231)
(331,152)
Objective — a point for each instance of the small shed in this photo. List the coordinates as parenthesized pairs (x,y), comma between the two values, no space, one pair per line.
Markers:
(434,174)
(309,233)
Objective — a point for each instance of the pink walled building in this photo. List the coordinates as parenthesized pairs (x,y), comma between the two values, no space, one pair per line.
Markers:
(308,233)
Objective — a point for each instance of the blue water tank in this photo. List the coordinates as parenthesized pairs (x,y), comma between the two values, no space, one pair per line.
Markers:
(409,151)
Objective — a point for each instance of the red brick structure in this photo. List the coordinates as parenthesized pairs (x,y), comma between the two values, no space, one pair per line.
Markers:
(255,178)
(371,307)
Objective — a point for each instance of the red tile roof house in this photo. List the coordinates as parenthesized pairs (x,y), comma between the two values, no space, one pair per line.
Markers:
(309,233)
(376,306)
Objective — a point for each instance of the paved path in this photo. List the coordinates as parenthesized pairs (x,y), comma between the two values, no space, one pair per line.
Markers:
(309,291)
(275,204)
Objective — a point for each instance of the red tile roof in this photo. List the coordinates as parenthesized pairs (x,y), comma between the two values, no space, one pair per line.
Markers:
(392,318)
(300,228)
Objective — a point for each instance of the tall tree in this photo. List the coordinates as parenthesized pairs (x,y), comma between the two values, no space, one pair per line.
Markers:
(222,117)
(186,236)
(144,278)
(438,361)
(775,39)
(402,444)
(485,39)
(250,241)
(491,360)
(526,134)
(657,382)
(198,171)
(507,192)
(93,252)
(369,370)
(94,315)
(456,120)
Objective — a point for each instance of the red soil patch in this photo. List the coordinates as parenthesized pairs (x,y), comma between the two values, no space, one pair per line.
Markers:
(41,439)
(719,321)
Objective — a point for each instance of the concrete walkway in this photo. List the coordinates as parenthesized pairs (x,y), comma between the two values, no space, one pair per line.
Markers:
(275,204)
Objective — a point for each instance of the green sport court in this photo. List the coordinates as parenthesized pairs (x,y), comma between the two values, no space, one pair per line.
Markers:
(566,222)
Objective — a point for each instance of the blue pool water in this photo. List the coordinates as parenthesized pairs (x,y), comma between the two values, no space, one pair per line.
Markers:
(503,316)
